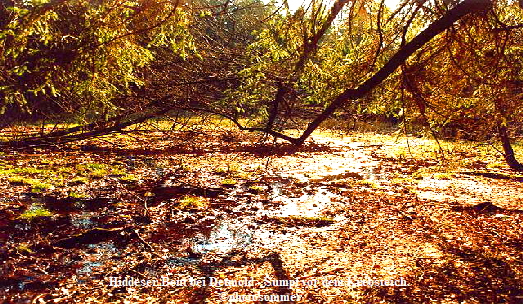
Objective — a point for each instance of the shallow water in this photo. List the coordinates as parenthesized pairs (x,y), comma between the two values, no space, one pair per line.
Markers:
(227,235)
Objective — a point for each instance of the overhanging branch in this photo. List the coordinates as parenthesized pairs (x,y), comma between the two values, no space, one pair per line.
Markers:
(464,8)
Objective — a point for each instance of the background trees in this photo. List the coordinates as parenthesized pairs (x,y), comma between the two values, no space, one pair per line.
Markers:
(77,57)
(468,80)
(440,64)
(444,64)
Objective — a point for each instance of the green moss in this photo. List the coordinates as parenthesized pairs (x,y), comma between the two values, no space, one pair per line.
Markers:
(36,184)
(118,171)
(99,173)
(89,167)
(29,170)
(185,168)
(402,180)
(443,176)
(193,202)
(220,170)
(65,170)
(35,176)
(229,182)
(6,171)
(19,180)
(368,183)
(80,168)
(230,169)
(35,211)
(74,194)
(94,170)
(256,189)
(95,166)
(233,168)
(80,180)
(244,175)
(39,186)
(129,178)
(23,248)
(97,170)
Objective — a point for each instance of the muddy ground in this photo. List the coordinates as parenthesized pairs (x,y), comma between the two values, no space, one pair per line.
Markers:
(224,219)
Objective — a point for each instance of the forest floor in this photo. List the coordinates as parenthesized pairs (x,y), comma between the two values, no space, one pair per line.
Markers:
(189,217)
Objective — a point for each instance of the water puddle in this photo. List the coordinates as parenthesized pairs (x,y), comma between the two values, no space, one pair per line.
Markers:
(182,261)
(83,220)
(227,236)
(68,205)
(177,232)
(96,258)
(307,205)
(276,189)
(24,283)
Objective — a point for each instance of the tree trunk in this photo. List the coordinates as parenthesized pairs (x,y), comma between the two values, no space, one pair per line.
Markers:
(464,8)
(510,158)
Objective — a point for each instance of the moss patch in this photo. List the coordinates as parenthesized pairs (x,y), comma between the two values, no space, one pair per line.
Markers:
(35,211)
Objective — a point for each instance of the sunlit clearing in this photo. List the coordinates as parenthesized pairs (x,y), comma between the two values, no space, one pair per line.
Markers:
(294,4)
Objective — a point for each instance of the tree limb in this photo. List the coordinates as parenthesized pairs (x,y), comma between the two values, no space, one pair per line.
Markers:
(459,11)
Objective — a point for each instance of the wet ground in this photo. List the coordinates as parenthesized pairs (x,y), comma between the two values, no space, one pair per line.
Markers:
(336,222)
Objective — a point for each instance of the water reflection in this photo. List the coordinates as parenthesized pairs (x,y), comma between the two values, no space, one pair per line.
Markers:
(224,238)
(276,189)
(307,205)
(97,257)
(181,261)
(82,220)
(88,267)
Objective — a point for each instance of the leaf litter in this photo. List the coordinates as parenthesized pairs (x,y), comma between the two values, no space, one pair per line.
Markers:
(336,210)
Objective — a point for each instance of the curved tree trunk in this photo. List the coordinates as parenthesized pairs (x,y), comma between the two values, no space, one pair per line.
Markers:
(446,21)
(510,158)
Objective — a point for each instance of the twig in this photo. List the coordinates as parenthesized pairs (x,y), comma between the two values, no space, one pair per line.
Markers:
(153,252)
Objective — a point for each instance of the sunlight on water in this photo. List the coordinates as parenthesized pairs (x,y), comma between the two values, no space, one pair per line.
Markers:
(306,205)
(224,238)
(94,261)
(82,220)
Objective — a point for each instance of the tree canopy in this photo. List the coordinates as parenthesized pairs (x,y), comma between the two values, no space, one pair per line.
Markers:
(111,63)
